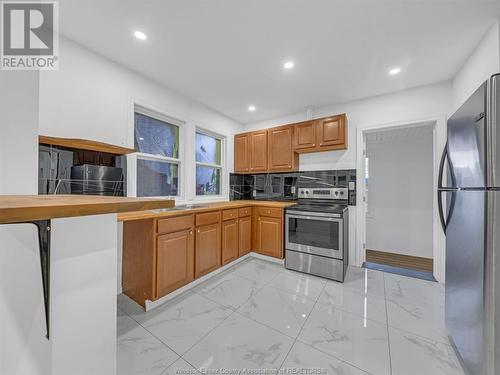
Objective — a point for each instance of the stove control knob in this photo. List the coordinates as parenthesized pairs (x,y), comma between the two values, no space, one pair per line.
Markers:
(336,193)
(341,193)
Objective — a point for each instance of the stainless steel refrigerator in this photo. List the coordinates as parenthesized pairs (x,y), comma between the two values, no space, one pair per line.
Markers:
(469,204)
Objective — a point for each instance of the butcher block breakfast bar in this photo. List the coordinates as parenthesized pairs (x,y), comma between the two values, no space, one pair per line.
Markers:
(76,240)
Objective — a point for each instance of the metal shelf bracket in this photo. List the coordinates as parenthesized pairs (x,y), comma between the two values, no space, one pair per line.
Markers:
(43,227)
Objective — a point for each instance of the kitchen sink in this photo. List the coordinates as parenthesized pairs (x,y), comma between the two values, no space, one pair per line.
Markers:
(189,206)
(180,207)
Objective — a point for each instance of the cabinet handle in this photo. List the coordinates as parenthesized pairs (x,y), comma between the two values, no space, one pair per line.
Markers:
(190,232)
(198,231)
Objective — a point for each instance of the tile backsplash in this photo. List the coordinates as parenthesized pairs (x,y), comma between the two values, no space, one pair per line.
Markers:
(283,186)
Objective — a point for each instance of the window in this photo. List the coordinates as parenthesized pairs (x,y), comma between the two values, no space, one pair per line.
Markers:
(208,164)
(158,162)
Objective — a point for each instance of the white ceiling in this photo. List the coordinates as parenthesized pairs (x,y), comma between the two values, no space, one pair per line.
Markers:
(228,54)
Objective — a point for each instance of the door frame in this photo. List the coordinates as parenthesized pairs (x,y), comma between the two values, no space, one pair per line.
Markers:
(438,238)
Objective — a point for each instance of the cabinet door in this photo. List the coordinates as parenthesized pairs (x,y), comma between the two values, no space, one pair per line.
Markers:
(331,132)
(305,135)
(241,153)
(245,234)
(258,151)
(230,241)
(281,152)
(208,254)
(174,261)
(270,236)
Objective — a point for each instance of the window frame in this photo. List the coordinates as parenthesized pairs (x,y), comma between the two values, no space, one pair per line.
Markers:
(160,158)
(221,167)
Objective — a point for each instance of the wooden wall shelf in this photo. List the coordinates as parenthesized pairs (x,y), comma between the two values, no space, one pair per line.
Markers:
(84,144)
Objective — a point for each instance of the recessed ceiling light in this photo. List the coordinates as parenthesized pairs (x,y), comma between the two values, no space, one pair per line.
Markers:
(288,65)
(251,108)
(140,35)
(394,71)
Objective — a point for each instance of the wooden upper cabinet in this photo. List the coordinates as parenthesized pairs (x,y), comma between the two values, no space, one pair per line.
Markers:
(276,149)
(281,153)
(230,241)
(325,134)
(208,249)
(332,133)
(258,151)
(305,135)
(175,261)
(245,235)
(242,153)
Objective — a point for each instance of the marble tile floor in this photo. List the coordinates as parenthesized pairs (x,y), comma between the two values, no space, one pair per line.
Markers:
(257,315)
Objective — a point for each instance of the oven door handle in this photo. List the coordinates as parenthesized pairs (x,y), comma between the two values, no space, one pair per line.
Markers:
(321,218)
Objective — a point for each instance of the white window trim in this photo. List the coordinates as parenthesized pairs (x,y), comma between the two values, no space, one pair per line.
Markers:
(132,160)
(222,165)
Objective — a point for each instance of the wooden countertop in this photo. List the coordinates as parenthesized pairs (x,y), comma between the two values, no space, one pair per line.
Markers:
(23,208)
(201,207)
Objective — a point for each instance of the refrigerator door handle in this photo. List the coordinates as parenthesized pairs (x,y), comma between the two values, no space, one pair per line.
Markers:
(441,166)
(442,189)
(445,221)
(440,186)
(440,209)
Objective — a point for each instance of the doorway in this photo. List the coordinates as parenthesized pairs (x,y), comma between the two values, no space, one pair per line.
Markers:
(398,197)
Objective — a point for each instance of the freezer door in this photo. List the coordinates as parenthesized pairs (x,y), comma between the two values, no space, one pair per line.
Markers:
(467,142)
(493,133)
(465,256)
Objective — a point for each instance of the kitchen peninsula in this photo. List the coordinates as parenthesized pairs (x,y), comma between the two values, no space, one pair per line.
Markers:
(75,329)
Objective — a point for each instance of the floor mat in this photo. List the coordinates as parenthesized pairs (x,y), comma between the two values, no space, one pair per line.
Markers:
(400,271)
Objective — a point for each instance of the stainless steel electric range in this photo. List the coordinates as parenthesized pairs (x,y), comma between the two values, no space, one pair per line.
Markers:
(316,233)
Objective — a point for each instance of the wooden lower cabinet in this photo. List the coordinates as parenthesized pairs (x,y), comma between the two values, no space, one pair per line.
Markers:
(245,235)
(270,236)
(208,249)
(174,261)
(267,231)
(162,255)
(230,241)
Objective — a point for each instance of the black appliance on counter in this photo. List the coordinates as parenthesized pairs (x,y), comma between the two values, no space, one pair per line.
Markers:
(90,179)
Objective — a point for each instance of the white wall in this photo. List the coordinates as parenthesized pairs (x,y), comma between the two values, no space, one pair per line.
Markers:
(416,105)
(481,64)
(400,191)
(92,97)
(23,347)
(409,105)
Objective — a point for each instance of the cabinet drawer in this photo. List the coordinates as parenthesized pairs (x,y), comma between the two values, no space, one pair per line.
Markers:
(245,211)
(270,212)
(207,218)
(175,224)
(230,214)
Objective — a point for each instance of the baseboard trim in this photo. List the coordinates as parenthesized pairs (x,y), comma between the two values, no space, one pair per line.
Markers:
(150,305)
(400,260)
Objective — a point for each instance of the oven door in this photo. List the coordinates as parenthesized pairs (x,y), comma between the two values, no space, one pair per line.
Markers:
(318,235)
